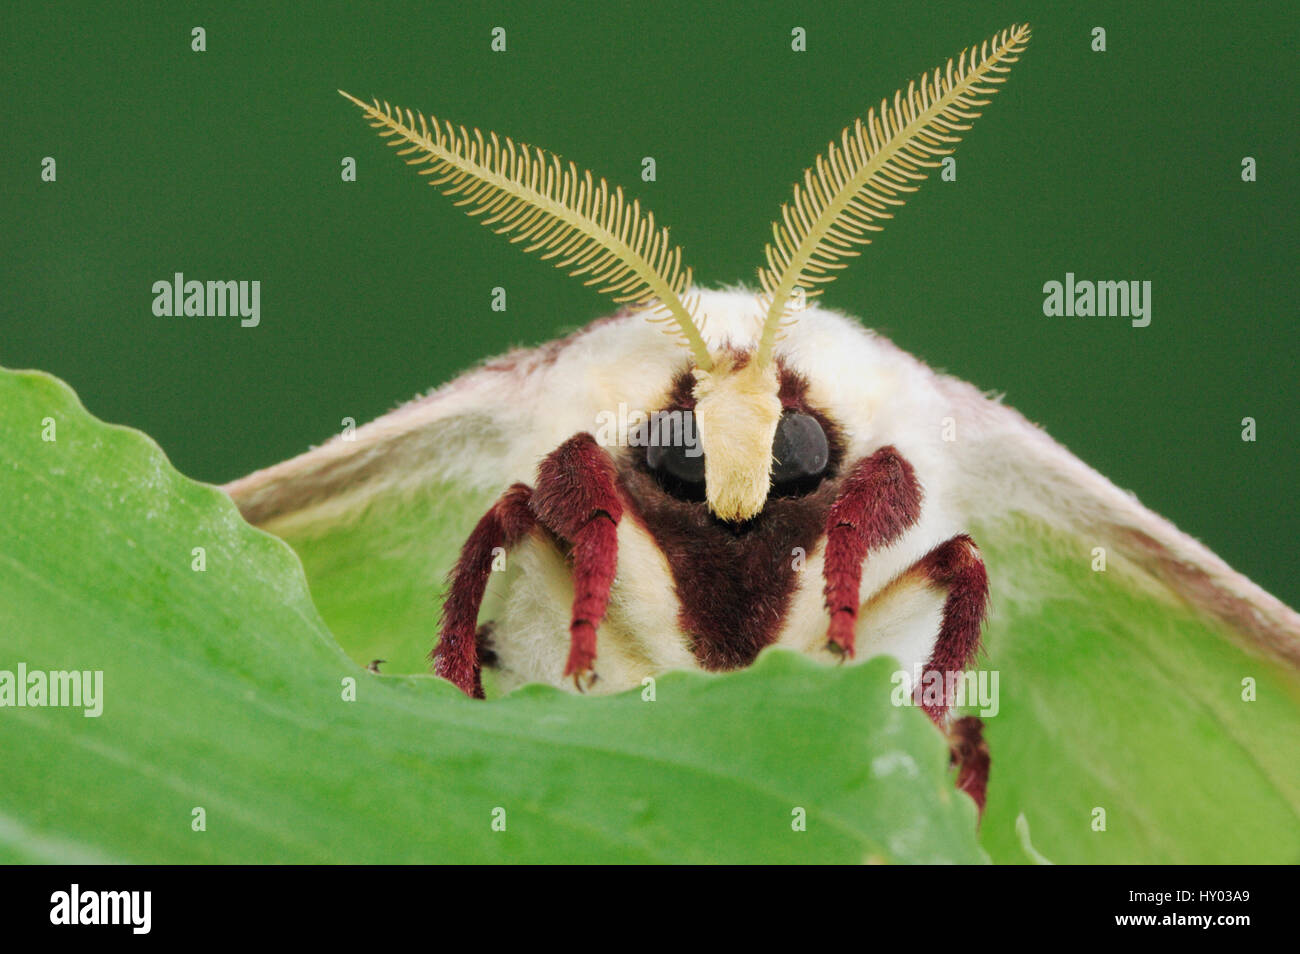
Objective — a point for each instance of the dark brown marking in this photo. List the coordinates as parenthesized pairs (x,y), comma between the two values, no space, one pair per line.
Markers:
(487,653)
(733,582)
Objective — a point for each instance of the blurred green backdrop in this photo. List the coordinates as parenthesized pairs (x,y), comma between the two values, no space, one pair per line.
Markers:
(225,164)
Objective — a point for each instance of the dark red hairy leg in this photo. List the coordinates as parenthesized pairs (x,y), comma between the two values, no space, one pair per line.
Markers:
(879,500)
(504,525)
(956,566)
(970,753)
(578,499)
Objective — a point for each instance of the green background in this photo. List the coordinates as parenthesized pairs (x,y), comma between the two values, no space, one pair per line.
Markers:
(225,165)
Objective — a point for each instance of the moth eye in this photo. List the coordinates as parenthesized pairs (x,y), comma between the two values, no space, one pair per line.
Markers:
(800,451)
(672,448)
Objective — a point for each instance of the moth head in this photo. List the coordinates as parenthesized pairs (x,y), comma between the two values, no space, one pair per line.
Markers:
(737,436)
(548,206)
(737,410)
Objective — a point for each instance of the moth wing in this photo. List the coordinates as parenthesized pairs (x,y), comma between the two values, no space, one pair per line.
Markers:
(1149,706)
(378,516)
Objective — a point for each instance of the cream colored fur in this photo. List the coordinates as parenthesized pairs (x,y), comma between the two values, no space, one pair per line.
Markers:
(736,411)
(490,427)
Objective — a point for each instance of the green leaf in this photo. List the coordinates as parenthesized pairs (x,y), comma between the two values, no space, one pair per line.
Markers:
(223,690)
(379,577)
(1117,698)
(1114,695)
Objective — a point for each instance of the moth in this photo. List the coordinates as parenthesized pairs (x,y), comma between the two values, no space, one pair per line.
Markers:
(790,479)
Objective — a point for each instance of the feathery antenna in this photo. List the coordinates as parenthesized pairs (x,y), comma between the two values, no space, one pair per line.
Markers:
(855,184)
(555,209)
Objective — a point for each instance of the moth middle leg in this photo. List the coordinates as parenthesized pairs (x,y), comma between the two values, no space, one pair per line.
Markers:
(936,607)
(578,501)
(954,570)
(455,656)
(952,577)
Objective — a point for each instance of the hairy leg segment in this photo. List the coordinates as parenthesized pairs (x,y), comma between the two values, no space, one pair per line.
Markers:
(576,500)
(879,501)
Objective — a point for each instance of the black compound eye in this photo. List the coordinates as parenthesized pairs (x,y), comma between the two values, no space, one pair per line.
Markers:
(800,452)
(673,449)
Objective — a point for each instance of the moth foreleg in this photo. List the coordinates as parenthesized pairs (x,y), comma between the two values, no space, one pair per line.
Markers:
(504,525)
(577,499)
(879,500)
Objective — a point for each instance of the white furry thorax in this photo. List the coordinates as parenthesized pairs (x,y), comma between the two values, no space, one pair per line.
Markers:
(975,459)
(876,395)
